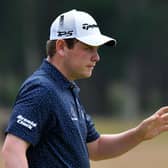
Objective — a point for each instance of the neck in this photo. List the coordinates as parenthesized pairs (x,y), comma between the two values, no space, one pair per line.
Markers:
(58,64)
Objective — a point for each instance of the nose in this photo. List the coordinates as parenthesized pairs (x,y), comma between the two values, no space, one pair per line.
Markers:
(95,57)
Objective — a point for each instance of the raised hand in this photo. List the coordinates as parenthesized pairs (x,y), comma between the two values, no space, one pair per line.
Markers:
(154,125)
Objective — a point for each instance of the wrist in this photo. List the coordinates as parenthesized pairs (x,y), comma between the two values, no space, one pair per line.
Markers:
(138,134)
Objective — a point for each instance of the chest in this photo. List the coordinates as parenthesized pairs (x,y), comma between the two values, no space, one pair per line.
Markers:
(70,116)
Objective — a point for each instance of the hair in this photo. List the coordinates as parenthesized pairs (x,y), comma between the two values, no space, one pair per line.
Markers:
(50,46)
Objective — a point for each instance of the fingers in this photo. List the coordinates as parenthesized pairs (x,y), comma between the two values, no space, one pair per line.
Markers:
(164,128)
(162,110)
(155,124)
(164,118)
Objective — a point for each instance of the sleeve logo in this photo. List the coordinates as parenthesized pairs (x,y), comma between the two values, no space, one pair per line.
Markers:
(25,122)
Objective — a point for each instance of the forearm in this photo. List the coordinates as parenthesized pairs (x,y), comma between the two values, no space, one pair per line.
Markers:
(14,152)
(109,146)
(14,160)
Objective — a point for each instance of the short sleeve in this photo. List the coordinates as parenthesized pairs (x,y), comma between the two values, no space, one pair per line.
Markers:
(92,134)
(30,114)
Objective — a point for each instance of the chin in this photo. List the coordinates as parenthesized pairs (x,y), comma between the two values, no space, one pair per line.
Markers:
(85,76)
(88,75)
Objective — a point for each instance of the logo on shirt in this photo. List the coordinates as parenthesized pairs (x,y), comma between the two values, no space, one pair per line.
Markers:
(25,122)
(73,115)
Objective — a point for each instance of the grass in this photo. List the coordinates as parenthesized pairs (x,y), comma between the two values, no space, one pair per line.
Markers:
(149,154)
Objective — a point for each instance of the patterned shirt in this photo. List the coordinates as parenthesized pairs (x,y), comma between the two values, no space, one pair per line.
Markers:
(48,114)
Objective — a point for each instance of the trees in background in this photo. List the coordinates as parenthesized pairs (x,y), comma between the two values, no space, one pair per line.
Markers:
(130,79)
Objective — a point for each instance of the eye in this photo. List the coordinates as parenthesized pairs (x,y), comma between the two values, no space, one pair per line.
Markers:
(86,47)
(91,48)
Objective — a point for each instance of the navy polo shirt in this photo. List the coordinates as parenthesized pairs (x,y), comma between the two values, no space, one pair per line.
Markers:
(48,114)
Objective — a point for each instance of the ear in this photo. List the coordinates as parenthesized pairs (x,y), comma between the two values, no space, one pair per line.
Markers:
(60,46)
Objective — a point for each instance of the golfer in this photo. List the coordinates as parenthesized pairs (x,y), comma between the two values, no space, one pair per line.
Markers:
(49,127)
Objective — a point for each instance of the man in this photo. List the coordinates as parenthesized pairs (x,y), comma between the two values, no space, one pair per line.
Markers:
(49,127)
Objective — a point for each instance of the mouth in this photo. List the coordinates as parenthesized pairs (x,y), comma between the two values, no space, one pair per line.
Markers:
(91,67)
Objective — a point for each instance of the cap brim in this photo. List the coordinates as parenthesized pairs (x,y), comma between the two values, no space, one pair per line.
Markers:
(97,40)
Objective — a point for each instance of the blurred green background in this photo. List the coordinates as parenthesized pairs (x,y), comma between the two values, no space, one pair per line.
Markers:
(130,82)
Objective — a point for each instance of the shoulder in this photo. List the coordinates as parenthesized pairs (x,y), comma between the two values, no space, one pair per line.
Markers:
(39,83)
(35,88)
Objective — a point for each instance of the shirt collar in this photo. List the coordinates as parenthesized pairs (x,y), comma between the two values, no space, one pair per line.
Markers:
(56,75)
(75,88)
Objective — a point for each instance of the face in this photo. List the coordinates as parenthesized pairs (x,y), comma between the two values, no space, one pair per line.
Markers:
(80,61)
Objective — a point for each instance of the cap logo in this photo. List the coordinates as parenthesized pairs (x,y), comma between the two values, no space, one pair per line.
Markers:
(86,26)
(65,33)
(61,20)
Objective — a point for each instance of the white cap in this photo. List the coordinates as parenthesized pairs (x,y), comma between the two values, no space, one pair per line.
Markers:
(79,25)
